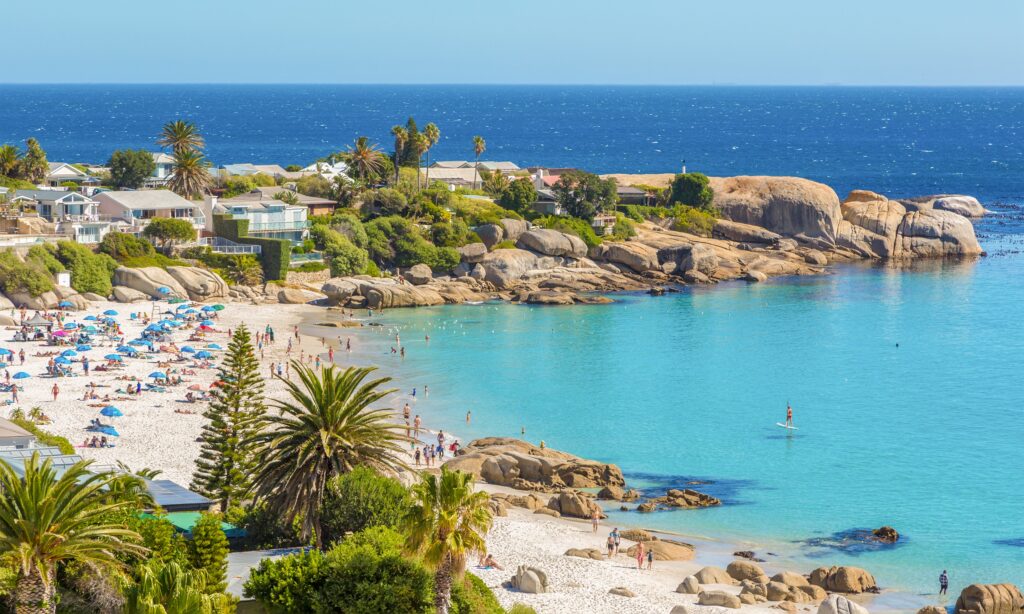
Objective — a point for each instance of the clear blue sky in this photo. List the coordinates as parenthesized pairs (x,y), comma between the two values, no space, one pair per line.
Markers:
(863,42)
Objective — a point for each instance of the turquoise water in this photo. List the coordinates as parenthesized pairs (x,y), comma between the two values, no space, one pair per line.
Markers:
(925,436)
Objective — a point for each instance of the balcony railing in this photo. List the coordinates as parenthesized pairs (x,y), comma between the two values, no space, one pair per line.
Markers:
(275,226)
(220,245)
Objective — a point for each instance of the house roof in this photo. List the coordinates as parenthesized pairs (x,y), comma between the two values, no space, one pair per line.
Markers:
(41,195)
(64,169)
(269,192)
(451,164)
(162,158)
(10,429)
(453,175)
(145,199)
(550,180)
(172,496)
(628,189)
(499,166)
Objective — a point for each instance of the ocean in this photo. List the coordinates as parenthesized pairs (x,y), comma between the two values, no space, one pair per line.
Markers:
(905,382)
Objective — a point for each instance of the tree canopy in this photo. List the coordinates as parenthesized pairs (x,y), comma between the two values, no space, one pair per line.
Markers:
(168,230)
(692,189)
(129,168)
(584,194)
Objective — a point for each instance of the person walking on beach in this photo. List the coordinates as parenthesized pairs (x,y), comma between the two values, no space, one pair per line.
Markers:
(417,456)
(595,520)
(611,545)
(406,411)
(789,415)
(943,583)
(618,539)
(330,355)
(55,390)
(640,555)
(650,560)
(416,426)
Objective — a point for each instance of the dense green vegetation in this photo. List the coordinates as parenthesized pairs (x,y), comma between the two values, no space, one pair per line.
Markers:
(129,168)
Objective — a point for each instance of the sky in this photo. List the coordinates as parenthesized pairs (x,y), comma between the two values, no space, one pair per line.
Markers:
(747,42)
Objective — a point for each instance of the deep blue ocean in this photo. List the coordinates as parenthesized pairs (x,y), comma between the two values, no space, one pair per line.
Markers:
(906,383)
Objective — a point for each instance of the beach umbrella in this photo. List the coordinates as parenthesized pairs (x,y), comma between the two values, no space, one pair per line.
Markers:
(138,342)
(213,346)
(109,430)
(62,361)
(218,307)
(90,329)
(90,318)
(83,348)
(60,333)
(206,323)
(116,357)
(176,300)
(5,352)
(208,308)
(188,349)
(65,304)
(69,353)
(190,310)
(158,375)
(163,290)
(71,325)
(153,327)
(203,354)
(111,412)
(110,312)
(21,375)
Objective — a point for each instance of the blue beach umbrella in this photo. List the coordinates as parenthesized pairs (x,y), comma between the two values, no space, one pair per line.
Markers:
(5,352)
(138,342)
(163,290)
(65,304)
(109,430)
(124,349)
(21,375)
(90,318)
(158,375)
(111,412)
(188,349)
(207,323)
(110,312)
(209,308)
(83,348)
(69,353)
(203,354)
(213,346)
(62,361)
(90,329)
(116,357)
(70,325)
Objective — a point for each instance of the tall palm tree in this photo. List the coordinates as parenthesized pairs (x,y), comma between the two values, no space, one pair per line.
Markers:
(189,174)
(325,429)
(446,524)
(479,147)
(401,138)
(180,136)
(433,135)
(365,160)
(9,156)
(47,521)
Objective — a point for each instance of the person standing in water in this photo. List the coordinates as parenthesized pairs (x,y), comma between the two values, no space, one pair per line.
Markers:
(789,415)
(943,582)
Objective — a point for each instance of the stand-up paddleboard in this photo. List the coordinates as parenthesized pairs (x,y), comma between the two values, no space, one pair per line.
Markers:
(785,426)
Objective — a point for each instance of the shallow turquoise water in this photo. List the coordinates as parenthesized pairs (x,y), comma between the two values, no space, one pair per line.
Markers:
(925,436)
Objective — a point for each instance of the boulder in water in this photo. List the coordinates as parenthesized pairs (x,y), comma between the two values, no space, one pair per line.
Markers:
(990,599)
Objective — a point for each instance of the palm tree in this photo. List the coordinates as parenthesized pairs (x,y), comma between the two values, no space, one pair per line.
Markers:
(401,138)
(446,524)
(47,521)
(479,147)
(245,270)
(167,587)
(365,160)
(9,156)
(181,136)
(433,134)
(189,174)
(326,429)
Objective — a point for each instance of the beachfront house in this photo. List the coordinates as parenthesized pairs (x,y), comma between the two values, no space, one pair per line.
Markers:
(246,169)
(268,217)
(603,223)
(314,204)
(328,170)
(503,166)
(60,173)
(547,204)
(136,208)
(163,170)
(13,436)
(73,215)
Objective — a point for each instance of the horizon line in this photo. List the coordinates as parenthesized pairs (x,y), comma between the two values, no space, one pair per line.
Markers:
(526,84)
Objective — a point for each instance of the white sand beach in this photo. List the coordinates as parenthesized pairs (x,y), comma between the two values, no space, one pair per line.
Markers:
(155,433)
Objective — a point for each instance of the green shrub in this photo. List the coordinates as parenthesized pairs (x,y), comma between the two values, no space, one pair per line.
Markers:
(43,256)
(314,185)
(90,272)
(397,241)
(624,228)
(692,189)
(472,596)
(275,257)
(121,245)
(519,608)
(311,267)
(45,438)
(263,529)
(452,234)
(373,270)
(693,220)
(388,201)
(519,196)
(344,257)
(17,276)
(364,574)
(571,225)
(160,537)
(477,211)
(359,500)
(506,244)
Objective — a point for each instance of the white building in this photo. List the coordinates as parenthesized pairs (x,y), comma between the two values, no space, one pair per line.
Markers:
(75,216)
(136,208)
(61,172)
(268,218)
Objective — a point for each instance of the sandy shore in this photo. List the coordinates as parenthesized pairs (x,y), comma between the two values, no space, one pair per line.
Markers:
(154,435)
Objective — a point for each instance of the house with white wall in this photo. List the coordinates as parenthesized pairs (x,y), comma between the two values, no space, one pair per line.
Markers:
(138,207)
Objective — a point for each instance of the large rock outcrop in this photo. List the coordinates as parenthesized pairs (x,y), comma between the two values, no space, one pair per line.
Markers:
(967,206)
(666,550)
(844,580)
(837,604)
(124,294)
(529,580)
(935,234)
(504,267)
(149,280)
(743,233)
(552,243)
(200,284)
(635,256)
(990,599)
(789,206)
(513,228)
(519,464)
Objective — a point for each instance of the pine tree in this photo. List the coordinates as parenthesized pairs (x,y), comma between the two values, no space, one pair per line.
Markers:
(208,551)
(227,460)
